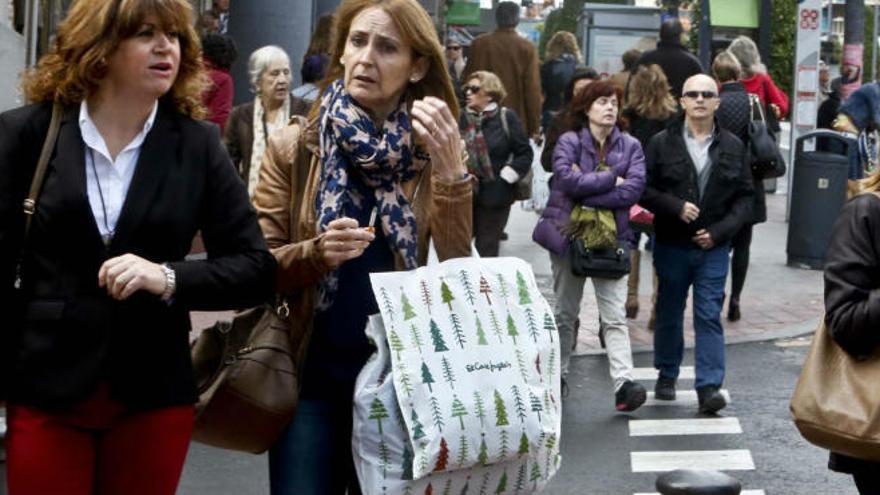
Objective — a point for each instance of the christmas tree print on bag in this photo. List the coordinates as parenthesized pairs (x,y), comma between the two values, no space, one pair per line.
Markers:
(468,365)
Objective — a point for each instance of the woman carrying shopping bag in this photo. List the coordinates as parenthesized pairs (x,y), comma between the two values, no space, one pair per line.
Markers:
(376,172)
(596,168)
(499,155)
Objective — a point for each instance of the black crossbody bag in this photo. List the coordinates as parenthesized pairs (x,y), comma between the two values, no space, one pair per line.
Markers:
(610,263)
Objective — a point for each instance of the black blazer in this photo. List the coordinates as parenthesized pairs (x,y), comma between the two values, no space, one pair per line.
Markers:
(73,335)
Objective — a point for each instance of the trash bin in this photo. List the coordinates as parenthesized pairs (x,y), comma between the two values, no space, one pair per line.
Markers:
(819,181)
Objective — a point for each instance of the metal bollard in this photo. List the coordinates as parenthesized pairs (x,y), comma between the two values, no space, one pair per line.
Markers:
(697,482)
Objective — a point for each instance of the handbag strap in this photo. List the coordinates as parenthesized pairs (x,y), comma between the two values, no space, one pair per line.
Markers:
(755,102)
(30,203)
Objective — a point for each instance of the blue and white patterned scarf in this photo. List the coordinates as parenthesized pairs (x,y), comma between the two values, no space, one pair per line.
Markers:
(383,159)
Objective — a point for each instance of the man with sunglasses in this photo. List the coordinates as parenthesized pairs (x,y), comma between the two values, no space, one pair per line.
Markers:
(699,186)
(455,63)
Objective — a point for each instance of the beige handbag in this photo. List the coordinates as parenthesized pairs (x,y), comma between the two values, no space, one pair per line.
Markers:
(836,404)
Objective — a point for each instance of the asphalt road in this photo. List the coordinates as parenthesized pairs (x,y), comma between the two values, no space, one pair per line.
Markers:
(760,378)
(596,443)
(597,446)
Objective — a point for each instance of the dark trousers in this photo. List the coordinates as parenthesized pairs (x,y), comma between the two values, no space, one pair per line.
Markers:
(739,262)
(679,268)
(97,447)
(489,224)
(313,456)
(868,482)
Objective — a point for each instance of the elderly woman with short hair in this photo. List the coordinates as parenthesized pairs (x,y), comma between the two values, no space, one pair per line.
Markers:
(247,132)
(499,155)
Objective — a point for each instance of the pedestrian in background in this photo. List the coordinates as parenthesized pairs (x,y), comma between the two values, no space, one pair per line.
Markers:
(221,11)
(757,81)
(562,56)
(219,53)
(514,60)
(208,23)
(499,154)
(677,62)
(700,190)
(593,140)
(384,138)
(101,383)
(621,79)
(649,110)
(251,124)
(734,114)
(851,280)
(456,62)
(581,78)
(314,66)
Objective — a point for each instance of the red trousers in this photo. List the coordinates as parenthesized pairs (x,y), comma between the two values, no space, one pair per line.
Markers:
(96,448)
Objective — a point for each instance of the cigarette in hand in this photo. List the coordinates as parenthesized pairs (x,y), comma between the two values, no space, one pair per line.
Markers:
(373,216)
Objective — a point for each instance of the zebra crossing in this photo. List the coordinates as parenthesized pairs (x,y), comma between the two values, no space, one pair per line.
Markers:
(658,461)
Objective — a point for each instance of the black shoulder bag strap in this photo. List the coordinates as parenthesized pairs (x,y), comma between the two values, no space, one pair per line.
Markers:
(30,203)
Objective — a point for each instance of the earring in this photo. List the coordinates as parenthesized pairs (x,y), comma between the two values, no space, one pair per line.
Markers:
(341,61)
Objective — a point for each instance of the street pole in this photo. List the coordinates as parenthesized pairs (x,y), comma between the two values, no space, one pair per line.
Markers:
(705,53)
(853,46)
(31,31)
(874,47)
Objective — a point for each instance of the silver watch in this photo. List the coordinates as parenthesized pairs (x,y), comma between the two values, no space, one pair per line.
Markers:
(170,282)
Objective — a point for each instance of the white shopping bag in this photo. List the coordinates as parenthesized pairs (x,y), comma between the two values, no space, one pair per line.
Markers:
(464,390)
(540,184)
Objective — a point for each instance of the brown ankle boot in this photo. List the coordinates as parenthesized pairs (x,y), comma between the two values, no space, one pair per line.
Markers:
(632,289)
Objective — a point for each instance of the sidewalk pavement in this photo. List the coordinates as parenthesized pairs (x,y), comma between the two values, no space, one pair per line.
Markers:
(777,302)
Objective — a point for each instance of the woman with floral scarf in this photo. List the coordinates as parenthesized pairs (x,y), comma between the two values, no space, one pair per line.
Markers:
(499,155)
(362,186)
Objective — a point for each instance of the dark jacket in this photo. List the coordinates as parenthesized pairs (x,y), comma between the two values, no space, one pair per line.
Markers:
(587,187)
(644,128)
(239,137)
(852,292)
(555,75)
(74,335)
(726,204)
(676,61)
(497,192)
(734,115)
(514,60)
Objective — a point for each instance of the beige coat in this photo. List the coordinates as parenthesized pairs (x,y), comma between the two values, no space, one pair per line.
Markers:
(285,199)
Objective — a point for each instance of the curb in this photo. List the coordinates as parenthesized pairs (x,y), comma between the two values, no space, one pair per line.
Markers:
(795,330)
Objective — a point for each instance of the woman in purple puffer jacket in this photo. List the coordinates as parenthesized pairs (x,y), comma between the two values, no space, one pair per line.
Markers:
(594,136)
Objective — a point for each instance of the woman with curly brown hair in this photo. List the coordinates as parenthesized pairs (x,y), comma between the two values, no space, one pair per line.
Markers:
(101,391)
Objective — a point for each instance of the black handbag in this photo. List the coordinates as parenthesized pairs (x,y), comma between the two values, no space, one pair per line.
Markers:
(766,159)
(612,263)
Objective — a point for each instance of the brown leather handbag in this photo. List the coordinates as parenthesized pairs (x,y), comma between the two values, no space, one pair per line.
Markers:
(835,404)
(248,379)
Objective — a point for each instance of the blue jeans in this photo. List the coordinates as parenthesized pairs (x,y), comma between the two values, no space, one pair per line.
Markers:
(679,267)
(313,456)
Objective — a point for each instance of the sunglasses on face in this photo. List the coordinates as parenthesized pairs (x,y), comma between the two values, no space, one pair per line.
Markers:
(453,48)
(471,89)
(694,94)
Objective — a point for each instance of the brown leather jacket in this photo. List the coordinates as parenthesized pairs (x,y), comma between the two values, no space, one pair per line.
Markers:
(285,198)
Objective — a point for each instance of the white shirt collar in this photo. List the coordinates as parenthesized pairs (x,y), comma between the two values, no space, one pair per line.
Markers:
(93,138)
